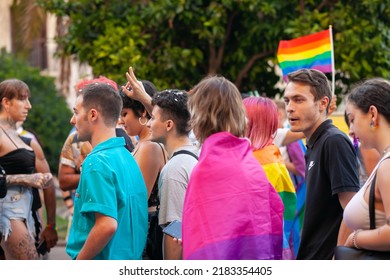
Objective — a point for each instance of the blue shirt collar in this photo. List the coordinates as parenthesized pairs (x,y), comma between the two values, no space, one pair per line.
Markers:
(110,143)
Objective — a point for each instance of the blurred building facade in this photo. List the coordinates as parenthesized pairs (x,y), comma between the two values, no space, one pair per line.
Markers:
(27,31)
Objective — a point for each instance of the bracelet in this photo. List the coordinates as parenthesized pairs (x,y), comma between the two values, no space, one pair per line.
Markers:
(51,226)
(354,238)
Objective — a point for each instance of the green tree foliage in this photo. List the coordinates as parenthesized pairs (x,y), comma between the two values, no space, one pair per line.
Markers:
(49,116)
(361,31)
(176,43)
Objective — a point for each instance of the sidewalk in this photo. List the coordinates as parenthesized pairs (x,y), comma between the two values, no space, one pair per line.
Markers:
(58,252)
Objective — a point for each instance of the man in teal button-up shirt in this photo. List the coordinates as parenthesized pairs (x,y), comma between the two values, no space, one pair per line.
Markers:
(110,214)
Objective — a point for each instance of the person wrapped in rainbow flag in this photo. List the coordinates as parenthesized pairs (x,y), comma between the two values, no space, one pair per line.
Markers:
(231,211)
(262,116)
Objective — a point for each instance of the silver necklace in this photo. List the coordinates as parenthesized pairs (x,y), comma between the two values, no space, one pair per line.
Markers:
(385,150)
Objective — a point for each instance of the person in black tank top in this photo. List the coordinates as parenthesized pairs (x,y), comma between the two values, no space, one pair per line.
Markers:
(18,161)
(150,157)
(48,233)
(134,118)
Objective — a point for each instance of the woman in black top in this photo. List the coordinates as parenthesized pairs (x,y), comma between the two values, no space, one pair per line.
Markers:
(18,161)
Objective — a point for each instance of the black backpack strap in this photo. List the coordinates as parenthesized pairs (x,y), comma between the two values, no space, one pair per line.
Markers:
(185,152)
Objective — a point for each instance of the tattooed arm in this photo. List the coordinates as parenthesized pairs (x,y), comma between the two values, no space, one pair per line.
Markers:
(35,180)
(49,233)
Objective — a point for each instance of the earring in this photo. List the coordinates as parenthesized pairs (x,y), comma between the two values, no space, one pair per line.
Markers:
(372,125)
(141,123)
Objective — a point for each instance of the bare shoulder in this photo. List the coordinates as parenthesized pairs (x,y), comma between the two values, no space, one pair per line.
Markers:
(150,147)
(382,171)
(35,144)
(384,166)
(151,152)
(37,149)
(6,145)
(382,190)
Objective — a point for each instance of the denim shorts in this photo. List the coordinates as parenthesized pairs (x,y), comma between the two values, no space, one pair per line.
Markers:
(16,205)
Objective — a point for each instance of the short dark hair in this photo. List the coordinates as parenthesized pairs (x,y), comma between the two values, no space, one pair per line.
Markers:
(318,82)
(173,103)
(346,119)
(376,92)
(105,99)
(135,105)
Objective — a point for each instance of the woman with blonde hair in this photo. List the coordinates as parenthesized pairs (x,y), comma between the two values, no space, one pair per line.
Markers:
(231,211)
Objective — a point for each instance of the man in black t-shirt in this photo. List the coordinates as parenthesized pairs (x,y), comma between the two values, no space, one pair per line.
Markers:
(331,166)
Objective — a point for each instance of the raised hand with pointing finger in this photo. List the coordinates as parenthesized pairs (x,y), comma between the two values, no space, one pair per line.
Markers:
(135,90)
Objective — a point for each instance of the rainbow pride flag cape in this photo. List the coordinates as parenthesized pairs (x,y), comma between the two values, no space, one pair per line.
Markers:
(276,171)
(314,51)
(231,211)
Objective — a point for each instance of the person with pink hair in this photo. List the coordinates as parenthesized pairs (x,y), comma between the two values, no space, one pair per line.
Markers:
(262,116)
(83,83)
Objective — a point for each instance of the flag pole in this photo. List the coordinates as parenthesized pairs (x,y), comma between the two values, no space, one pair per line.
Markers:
(332,56)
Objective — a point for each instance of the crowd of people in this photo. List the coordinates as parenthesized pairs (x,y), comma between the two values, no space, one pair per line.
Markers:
(247,177)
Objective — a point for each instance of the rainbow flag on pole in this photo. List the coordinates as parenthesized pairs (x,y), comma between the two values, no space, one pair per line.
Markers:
(314,51)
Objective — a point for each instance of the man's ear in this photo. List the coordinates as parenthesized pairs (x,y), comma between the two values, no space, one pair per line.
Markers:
(324,102)
(169,125)
(93,115)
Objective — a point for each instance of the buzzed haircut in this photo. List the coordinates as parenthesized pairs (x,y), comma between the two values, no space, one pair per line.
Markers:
(105,99)
(173,103)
